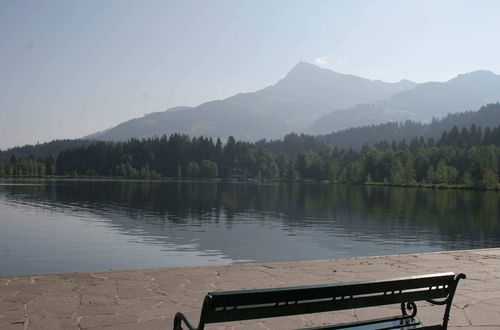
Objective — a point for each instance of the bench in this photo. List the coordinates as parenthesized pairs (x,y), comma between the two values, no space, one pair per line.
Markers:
(228,306)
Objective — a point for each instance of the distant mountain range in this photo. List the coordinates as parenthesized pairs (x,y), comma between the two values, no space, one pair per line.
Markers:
(293,144)
(292,104)
(315,100)
(423,102)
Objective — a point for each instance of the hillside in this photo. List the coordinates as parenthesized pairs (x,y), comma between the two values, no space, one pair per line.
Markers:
(360,115)
(467,91)
(487,116)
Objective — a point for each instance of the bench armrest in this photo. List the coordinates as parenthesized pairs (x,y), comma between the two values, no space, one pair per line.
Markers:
(178,319)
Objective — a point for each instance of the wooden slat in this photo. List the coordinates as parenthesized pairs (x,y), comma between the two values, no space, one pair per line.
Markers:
(252,297)
(382,323)
(320,306)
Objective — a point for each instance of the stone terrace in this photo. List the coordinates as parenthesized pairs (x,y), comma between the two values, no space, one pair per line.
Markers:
(148,299)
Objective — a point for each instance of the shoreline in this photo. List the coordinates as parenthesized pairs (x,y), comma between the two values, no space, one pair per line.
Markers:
(256,264)
(439,186)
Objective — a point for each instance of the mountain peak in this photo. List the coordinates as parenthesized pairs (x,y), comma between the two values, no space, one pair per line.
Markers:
(304,68)
(305,65)
(304,74)
(481,72)
(478,74)
(407,84)
(406,81)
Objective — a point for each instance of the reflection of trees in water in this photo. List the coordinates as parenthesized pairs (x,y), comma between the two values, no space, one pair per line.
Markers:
(454,214)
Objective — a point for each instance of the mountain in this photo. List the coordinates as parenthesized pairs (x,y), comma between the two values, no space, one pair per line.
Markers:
(360,115)
(423,102)
(139,127)
(294,144)
(465,92)
(487,116)
(292,104)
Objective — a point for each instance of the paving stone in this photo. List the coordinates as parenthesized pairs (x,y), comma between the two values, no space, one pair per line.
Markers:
(12,317)
(97,289)
(18,326)
(321,319)
(483,314)
(24,296)
(48,321)
(89,310)
(61,306)
(96,321)
(143,325)
(86,299)
(148,299)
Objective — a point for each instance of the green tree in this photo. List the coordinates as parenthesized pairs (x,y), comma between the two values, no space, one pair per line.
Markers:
(483,160)
(192,169)
(272,171)
(282,163)
(291,174)
(179,172)
(490,179)
(445,174)
(208,169)
(409,172)
(302,165)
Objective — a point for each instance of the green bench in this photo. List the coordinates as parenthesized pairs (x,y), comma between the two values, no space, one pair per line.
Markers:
(437,289)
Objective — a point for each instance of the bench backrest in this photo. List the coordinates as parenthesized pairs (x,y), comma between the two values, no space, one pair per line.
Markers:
(255,304)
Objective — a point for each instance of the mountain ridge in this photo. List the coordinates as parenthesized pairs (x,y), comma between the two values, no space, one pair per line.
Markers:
(423,102)
(487,116)
(291,104)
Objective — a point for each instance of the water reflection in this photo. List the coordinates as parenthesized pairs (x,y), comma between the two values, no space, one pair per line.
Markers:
(192,223)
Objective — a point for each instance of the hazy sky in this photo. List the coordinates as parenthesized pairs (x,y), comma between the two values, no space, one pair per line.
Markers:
(71,68)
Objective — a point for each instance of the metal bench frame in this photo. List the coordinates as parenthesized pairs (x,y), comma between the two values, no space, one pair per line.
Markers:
(437,289)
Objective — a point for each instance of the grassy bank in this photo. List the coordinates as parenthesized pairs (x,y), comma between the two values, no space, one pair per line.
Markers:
(171,179)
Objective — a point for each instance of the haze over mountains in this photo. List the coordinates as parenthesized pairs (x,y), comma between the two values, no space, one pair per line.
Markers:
(292,104)
(316,101)
(488,117)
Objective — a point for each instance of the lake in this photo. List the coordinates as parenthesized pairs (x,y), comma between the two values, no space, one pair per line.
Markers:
(54,226)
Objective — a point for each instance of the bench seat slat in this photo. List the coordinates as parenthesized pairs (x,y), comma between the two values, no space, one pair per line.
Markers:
(250,297)
(381,323)
(215,316)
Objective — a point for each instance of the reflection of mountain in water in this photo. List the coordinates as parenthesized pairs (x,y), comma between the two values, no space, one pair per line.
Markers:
(279,222)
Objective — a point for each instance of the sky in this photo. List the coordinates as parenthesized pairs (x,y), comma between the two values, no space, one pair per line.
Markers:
(72,68)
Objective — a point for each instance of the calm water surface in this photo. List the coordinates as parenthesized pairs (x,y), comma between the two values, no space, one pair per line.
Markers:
(54,226)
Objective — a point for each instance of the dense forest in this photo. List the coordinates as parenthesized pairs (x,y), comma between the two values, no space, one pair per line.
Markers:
(52,148)
(357,137)
(469,157)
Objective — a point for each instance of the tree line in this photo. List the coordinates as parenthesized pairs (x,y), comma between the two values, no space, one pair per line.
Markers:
(468,157)
(42,150)
(357,137)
